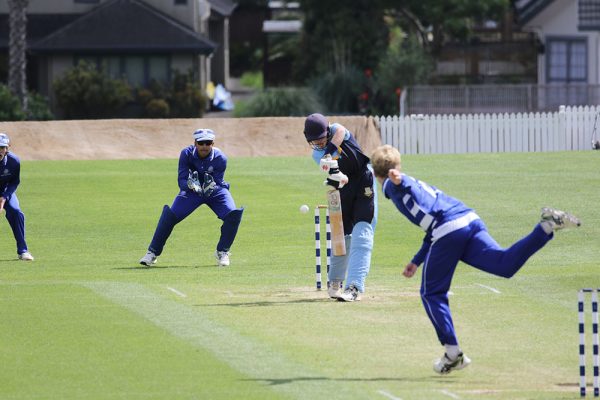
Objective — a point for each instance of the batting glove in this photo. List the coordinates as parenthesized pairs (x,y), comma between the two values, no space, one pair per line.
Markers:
(327,163)
(336,179)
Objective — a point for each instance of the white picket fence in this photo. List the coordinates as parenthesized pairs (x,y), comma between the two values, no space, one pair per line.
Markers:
(570,128)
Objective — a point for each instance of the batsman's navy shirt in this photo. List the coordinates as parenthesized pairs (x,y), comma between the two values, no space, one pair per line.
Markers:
(351,160)
(10,175)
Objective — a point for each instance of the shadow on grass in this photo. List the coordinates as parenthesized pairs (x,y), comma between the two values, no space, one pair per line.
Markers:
(266,303)
(282,381)
(146,268)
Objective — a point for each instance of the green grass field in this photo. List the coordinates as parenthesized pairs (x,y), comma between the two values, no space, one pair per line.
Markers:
(85,321)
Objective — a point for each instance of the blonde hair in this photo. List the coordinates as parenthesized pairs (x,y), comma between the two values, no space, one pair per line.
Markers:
(385,158)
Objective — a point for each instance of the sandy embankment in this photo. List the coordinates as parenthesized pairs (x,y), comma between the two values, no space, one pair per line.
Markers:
(164,138)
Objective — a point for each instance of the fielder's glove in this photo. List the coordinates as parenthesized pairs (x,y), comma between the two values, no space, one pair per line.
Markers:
(194,183)
(209,185)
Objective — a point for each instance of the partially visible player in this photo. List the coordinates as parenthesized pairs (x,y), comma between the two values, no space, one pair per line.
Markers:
(359,202)
(10,177)
(453,233)
(200,178)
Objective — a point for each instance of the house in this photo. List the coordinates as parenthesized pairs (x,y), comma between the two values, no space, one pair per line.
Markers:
(569,31)
(139,40)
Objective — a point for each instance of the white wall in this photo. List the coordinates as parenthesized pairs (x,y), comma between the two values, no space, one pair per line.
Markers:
(560,18)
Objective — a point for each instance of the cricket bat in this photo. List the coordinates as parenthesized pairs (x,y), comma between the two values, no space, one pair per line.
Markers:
(338,242)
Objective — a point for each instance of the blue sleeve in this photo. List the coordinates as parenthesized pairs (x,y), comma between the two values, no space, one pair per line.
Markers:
(317,155)
(219,174)
(422,253)
(184,171)
(12,185)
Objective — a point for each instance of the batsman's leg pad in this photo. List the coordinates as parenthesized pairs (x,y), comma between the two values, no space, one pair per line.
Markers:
(359,261)
(165,226)
(16,220)
(229,229)
(339,264)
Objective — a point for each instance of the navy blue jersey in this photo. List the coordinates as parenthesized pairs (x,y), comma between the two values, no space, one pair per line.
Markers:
(425,206)
(10,175)
(351,160)
(214,165)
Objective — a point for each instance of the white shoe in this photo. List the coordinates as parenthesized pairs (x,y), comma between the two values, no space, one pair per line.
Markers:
(445,365)
(149,259)
(26,256)
(350,294)
(335,289)
(558,219)
(222,258)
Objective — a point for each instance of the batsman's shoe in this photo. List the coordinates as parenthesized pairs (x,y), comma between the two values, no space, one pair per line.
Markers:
(149,259)
(445,365)
(222,258)
(559,219)
(350,294)
(26,256)
(335,289)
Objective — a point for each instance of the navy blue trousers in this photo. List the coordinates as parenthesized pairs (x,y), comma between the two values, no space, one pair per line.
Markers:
(474,246)
(16,220)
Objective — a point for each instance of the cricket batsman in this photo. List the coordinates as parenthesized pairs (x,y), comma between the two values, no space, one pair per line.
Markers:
(201,171)
(336,151)
(10,177)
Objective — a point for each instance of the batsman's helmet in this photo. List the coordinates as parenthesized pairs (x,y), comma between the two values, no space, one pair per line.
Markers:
(316,127)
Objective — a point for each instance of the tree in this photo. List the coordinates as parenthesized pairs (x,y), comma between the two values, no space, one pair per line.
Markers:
(336,36)
(17,77)
(436,21)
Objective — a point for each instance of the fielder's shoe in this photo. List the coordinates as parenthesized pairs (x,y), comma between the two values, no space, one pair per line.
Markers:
(350,294)
(26,256)
(149,259)
(222,258)
(445,365)
(335,289)
(559,219)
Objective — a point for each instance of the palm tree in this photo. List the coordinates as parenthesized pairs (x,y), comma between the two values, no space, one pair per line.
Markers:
(17,78)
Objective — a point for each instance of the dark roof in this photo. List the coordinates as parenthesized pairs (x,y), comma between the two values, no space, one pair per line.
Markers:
(527,9)
(223,7)
(124,26)
(38,26)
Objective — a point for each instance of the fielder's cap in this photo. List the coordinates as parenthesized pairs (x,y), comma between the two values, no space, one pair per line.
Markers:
(4,140)
(315,127)
(204,134)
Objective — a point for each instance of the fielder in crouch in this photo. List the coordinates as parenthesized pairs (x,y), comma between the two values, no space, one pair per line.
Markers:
(10,177)
(200,178)
(352,175)
(453,233)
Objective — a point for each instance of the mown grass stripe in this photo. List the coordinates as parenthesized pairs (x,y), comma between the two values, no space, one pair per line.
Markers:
(244,354)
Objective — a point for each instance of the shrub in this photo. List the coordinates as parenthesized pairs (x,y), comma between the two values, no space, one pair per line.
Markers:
(85,92)
(157,108)
(38,108)
(144,96)
(404,64)
(340,91)
(185,99)
(280,102)
(10,107)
